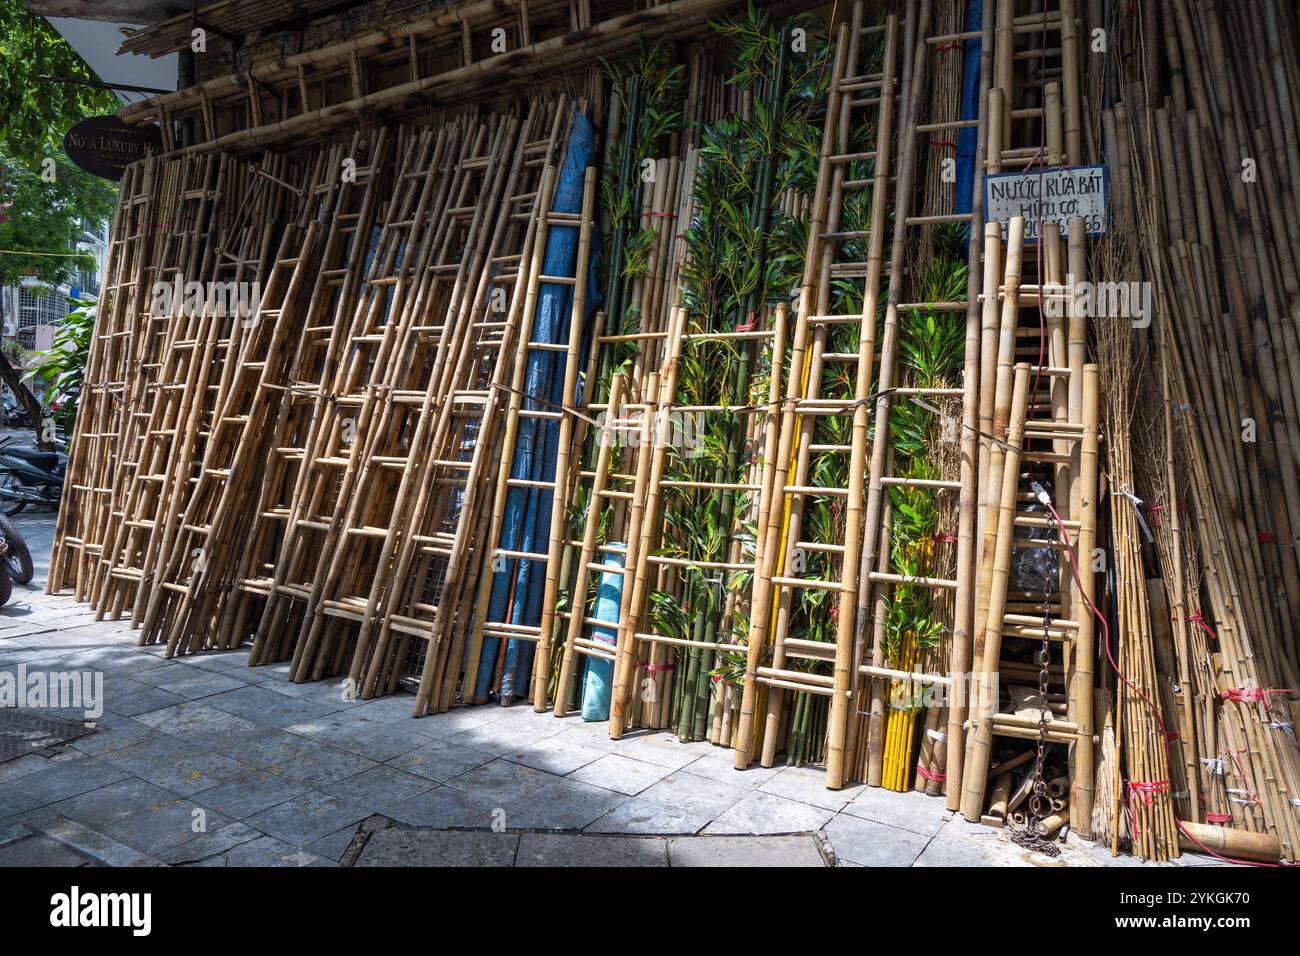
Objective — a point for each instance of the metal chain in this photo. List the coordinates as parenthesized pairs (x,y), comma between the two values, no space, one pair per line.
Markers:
(1029,836)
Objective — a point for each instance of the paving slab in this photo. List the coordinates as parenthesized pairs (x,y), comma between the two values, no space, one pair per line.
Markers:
(303,819)
(39,850)
(65,779)
(556,756)
(747,851)
(447,807)
(502,781)
(638,815)
(761,812)
(164,826)
(910,810)
(399,846)
(441,761)
(570,850)
(380,787)
(621,774)
(252,793)
(116,801)
(561,805)
(873,844)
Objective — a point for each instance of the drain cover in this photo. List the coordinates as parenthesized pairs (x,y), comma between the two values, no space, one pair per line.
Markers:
(26,731)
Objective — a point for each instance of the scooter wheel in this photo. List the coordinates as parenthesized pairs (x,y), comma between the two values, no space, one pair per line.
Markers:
(18,562)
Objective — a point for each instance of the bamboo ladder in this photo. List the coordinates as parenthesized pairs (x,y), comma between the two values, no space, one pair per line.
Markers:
(1060,410)
(877,576)
(411,242)
(446,515)
(190,368)
(174,337)
(755,476)
(73,552)
(350,212)
(209,534)
(506,561)
(777,580)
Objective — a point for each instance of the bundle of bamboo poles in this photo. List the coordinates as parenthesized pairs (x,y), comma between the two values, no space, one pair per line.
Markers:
(1218,468)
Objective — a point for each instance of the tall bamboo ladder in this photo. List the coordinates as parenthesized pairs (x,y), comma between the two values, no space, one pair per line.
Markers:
(877,576)
(199,566)
(624,440)
(131,235)
(778,580)
(386,506)
(173,339)
(1034,404)
(391,404)
(350,213)
(446,524)
(132,345)
(234,249)
(412,242)
(641,685)
(505,558)
(611,496)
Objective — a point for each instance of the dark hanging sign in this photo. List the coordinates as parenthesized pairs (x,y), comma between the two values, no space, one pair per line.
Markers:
(105,146)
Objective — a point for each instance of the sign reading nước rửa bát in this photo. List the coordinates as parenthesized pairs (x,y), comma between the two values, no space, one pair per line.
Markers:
(1054,194)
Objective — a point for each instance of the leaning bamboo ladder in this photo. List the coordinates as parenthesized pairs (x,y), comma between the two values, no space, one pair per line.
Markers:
(777,579)
(74,550)
(1064,416)
(177,336)
(877,576)
(410,239)
(447,519)
(624,439)
(403,416)
(453,502)
(654,568)
(350,212)
(133,345)
(192,370)
(504,553)
(208,535)
(352,566)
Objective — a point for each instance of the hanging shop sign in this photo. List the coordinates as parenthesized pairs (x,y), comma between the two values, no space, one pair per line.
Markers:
(1047,196)
(105,146)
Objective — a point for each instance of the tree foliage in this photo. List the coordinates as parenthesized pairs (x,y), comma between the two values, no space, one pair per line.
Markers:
(35,113)
(43,214)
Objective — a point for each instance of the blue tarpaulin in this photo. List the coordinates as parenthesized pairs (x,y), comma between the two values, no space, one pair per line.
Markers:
(517,589)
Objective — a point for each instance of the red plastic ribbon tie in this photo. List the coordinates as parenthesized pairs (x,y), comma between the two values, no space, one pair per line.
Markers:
(929,775)
(1266,537)
(1218,818)
(659,215)
(944,142)
(1253,695)
(950,45)
(945,537)
(1146,789)
(1199,621)
(657,668)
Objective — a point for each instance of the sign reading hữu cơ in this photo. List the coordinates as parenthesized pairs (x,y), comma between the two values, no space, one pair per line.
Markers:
(1048,195)
(105,146)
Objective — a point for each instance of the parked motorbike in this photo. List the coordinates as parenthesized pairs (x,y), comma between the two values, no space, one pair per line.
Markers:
(29,476)
(15,560)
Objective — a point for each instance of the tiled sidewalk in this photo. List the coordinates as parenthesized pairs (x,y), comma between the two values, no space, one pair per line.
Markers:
(206,761)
